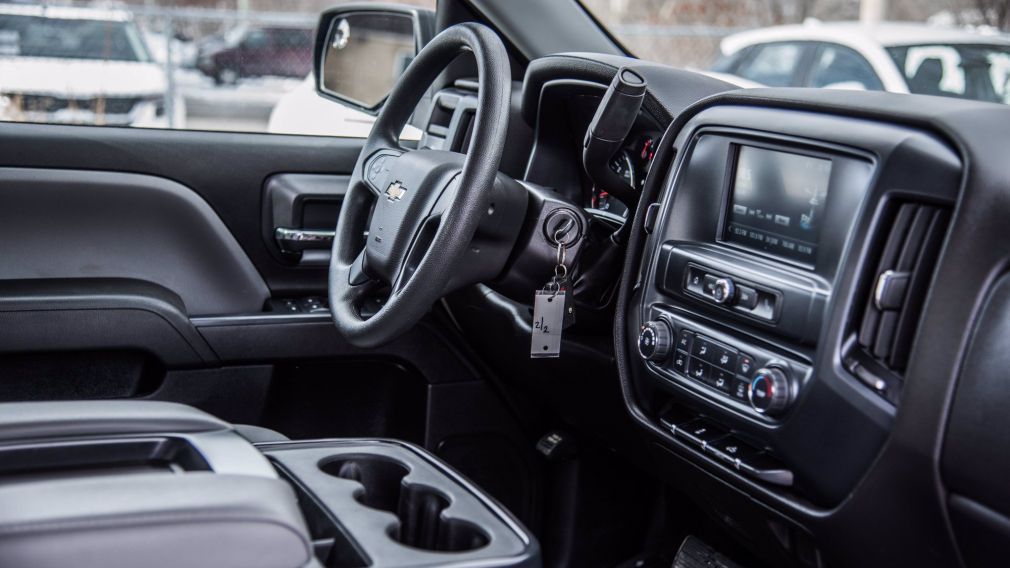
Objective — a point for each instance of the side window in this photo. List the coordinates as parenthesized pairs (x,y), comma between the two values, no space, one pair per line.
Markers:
(728,63)
(773,65)
(231,65)
(839,67)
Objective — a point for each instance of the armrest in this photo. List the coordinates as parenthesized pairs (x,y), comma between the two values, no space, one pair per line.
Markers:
(152,520)
(35,420)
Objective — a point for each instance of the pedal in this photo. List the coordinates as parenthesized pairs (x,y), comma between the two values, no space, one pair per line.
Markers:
(694,553)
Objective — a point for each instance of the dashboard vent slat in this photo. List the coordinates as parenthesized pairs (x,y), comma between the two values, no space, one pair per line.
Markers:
(897,288)
(888,258)
(918,286)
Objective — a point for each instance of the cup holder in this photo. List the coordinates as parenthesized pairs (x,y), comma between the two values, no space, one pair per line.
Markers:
(381,479)
(418,508)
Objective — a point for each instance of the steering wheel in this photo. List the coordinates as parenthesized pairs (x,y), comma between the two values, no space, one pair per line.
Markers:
(420,208)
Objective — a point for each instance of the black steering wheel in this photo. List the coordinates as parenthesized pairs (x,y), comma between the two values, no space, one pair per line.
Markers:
(408,217)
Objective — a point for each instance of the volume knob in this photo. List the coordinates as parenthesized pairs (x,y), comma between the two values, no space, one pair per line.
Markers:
(769,391)
(655,342)
(723,290)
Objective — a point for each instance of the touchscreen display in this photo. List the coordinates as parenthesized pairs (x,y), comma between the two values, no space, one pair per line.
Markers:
(777,203)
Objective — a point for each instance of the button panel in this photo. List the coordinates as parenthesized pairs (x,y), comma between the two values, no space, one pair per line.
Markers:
(743,297)
(716,364)
(722,445)
(719,366)
(700,432)
(310,305)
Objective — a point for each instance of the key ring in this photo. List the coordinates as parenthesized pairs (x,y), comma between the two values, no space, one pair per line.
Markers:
(560,272)
(557,287)
(561,249)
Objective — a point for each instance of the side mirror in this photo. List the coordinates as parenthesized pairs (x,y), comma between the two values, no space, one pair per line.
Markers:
(362,49)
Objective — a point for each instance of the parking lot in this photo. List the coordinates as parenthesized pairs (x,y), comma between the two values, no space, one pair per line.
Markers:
(215,68)
(244,107)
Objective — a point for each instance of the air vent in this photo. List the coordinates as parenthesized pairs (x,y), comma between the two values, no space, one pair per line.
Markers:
(910,243)
(451,118)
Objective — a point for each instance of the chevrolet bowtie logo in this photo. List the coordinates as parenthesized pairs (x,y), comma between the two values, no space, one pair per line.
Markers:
(395,191)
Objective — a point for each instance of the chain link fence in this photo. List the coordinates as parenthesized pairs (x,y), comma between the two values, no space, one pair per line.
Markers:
(150,66)
(205,68)
(228,68)
(208,68)
(694,47)
(180,64)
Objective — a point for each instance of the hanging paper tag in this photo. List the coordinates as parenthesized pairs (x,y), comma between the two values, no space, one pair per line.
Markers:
(548,319)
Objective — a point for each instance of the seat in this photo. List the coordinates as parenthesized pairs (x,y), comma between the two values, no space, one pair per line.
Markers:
(927,78)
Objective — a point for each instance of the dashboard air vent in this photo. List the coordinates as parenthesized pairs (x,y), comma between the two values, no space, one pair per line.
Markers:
(910,242)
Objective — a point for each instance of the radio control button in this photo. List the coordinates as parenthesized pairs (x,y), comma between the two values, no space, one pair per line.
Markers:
(746,297)
(766,307)
(723,290)
(695,281)
(710,284)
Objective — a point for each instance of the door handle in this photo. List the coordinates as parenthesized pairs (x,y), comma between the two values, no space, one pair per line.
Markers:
(298,240)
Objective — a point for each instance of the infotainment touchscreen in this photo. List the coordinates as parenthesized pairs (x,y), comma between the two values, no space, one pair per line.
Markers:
(776,202)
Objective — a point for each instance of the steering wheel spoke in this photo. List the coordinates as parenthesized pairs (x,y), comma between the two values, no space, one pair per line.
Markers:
(378,168)
(357,275)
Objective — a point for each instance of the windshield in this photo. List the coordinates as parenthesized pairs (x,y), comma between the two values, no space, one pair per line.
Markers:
(34,36)
(803,43)
(978,72)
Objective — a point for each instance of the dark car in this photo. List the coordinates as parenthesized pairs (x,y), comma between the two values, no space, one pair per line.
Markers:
(258,52)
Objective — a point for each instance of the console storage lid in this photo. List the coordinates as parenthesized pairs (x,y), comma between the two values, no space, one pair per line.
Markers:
(37,420)
(156,519)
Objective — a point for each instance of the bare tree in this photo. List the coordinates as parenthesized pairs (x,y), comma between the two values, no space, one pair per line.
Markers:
(994,13)
(790,11)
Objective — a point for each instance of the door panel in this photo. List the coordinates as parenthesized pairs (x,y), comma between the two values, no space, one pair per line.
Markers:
(227,170)
(144,264)
(93,224)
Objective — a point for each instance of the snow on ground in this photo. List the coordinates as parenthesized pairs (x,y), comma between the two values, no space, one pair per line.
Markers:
(242,107)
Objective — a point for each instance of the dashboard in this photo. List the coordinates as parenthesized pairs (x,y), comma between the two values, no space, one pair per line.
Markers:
(755,288)
(564,111)
(631,163)
(804,297)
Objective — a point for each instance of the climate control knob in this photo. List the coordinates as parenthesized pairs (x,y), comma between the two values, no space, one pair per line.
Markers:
(655,342)
(769,391)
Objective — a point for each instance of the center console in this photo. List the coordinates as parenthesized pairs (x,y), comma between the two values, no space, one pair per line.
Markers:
(785,268)
(126,483)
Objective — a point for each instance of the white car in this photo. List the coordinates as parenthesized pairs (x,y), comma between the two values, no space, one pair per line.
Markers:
(303,111)
(900,58)
(80,66)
